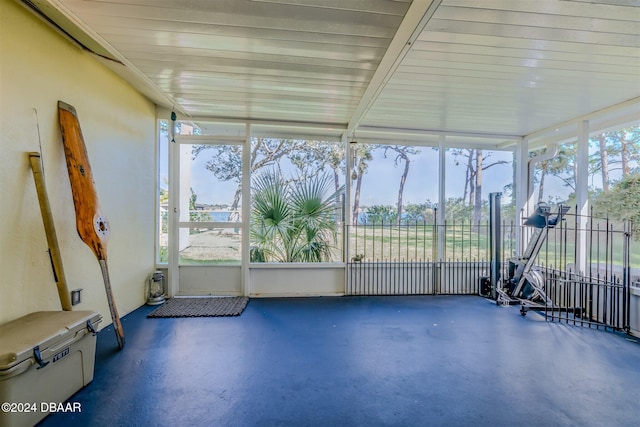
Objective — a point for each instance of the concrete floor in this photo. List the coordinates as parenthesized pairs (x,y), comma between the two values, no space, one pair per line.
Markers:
(361,361)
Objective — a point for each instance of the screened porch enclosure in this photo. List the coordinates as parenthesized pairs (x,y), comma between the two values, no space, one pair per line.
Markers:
(541,80)
(331,160)
(237,187)
(387,233)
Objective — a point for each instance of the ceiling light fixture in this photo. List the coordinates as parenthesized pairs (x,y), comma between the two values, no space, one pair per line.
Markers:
(353,138)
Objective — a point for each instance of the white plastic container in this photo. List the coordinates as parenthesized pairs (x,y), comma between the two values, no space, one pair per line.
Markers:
(45,357)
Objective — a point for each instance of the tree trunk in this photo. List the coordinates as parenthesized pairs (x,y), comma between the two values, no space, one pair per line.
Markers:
(470,176)
(234,215)
(624,155)
(604,162)
(336,179)
(477,206)
(356,200)
(466,182)
(543,172)
(403,179)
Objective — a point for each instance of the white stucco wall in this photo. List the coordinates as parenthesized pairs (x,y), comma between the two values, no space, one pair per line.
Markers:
(296,279)
(38,67)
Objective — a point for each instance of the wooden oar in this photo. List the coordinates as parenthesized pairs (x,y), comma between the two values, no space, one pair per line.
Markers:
(91,224)
(50,231)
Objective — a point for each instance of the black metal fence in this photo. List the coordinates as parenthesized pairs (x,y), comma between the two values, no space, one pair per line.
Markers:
(408,259)
(391,278)
(589,286)
(590,301)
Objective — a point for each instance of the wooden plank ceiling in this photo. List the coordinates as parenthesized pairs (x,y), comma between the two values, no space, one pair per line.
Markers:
(495,67)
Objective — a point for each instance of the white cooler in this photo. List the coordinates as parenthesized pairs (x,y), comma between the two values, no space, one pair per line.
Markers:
(45,357)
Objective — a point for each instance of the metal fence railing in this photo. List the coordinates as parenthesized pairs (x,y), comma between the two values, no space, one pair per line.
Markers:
(453,258)
(590,287)
(586,301)
(418,258)
(391,278)
(415,277)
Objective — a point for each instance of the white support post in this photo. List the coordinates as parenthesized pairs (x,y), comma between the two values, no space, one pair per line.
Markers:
(582,195)
(246,212)
(522,190)
(346,206)
(442,162)
(173,284)
(184,187)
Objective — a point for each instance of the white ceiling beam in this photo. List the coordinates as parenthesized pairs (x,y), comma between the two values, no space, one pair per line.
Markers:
(618,110)
(301,124)
(402,131)
(415,20)
(568,134)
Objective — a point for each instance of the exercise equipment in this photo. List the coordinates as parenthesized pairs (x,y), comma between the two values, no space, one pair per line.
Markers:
(525,283)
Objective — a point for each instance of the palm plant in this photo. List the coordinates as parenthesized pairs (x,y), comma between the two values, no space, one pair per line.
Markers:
(293,221)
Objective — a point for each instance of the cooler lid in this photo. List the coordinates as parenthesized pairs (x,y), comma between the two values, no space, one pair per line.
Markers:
(42,328)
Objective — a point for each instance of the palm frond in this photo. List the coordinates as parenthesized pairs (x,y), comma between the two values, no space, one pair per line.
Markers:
(293,221)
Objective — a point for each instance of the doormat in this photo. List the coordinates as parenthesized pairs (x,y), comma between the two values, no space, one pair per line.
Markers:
(201,307)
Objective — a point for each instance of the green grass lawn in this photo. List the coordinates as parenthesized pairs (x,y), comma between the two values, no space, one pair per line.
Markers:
(465,243)
(461,243)
(418,243)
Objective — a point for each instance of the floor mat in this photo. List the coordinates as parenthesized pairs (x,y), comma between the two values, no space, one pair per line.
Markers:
(201,307)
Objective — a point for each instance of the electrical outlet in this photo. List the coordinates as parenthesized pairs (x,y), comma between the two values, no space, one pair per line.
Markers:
(76,297)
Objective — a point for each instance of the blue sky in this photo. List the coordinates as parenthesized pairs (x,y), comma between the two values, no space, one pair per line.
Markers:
(380,185)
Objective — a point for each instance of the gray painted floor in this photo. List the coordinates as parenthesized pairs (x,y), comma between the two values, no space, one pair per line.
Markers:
(361,361)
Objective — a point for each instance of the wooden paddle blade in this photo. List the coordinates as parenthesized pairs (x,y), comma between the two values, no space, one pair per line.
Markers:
(91,224)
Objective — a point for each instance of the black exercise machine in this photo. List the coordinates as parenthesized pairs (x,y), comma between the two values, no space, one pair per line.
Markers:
(525,284)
